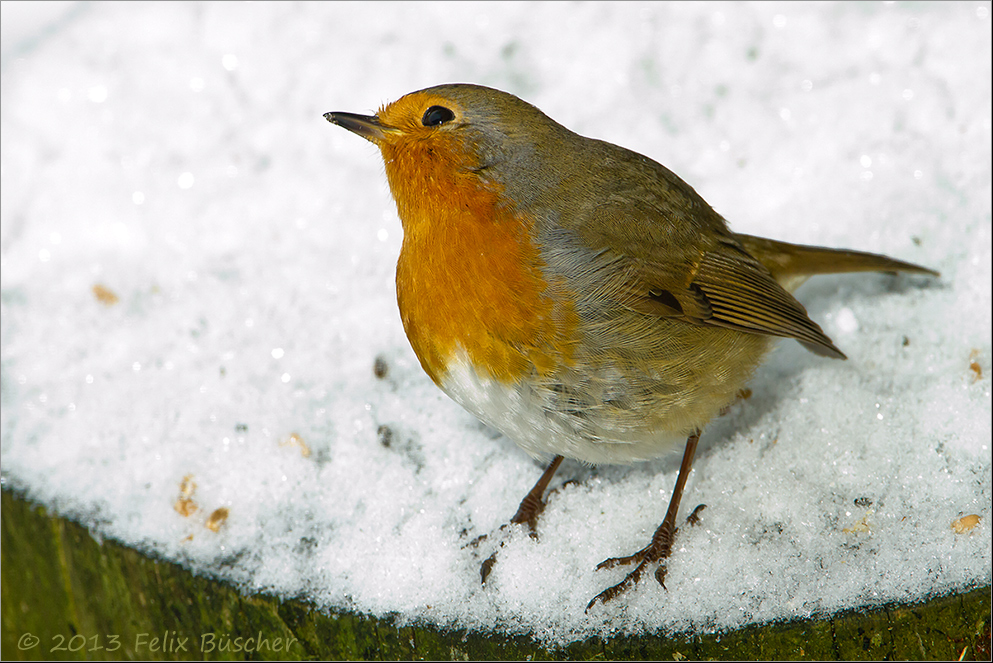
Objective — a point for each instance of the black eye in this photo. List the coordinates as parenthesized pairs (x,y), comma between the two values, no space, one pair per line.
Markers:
(437,115)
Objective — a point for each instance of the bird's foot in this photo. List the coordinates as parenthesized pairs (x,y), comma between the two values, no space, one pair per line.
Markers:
(657,551)
(527,514)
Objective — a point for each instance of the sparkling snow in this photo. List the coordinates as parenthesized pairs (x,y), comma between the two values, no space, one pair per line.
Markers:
(197,297)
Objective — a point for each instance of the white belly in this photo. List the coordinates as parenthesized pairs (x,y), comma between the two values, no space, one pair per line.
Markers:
(547,418)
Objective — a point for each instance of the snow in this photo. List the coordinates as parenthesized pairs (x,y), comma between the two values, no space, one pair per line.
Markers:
(174,157)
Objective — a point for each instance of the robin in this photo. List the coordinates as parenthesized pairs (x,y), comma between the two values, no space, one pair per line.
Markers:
(577,296)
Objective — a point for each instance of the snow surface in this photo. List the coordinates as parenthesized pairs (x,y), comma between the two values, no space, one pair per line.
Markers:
(175,155)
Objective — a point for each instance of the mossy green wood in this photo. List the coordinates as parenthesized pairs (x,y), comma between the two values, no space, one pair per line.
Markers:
(67,596)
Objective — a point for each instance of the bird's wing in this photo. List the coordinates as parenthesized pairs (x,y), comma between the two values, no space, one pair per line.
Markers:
(727,287)
(680,261)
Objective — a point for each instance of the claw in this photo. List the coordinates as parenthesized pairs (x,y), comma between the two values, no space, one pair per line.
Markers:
(694,518)
(486,568)
(657,550)
(621,561)
(660,575)
(611,593)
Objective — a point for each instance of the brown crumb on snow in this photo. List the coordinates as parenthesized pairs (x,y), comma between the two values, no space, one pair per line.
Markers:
(965,523)
(217,519)
(185,506)
(294,440)
(105,295)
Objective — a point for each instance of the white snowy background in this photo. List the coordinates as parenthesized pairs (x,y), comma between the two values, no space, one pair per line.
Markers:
(174,156)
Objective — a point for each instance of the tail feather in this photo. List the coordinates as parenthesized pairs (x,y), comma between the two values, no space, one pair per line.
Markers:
(792,264)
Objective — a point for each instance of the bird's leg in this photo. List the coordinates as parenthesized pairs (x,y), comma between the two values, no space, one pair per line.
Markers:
(528,512)
(531,506)
(661,546)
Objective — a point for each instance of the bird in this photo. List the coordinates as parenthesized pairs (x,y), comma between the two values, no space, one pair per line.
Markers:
(577,296)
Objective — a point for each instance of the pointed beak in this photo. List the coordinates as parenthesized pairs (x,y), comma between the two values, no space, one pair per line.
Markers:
(367,126)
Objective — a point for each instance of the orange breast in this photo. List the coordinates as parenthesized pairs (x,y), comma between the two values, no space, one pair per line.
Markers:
(469,277)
